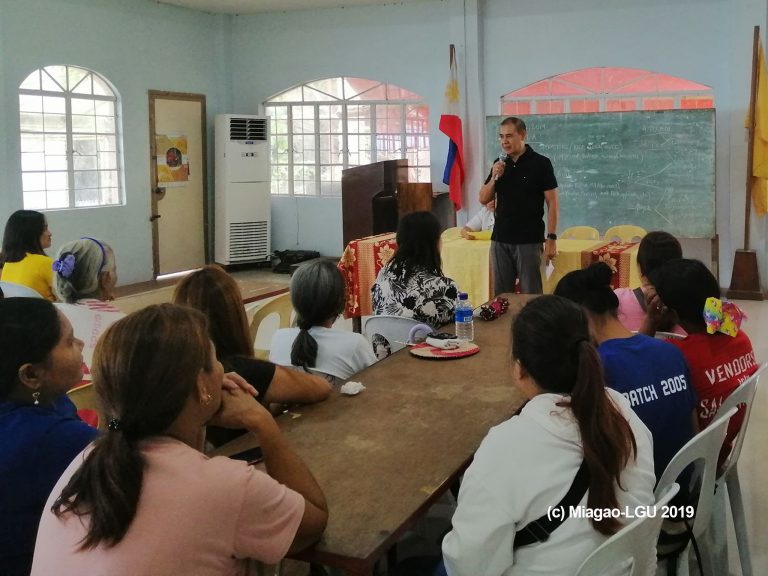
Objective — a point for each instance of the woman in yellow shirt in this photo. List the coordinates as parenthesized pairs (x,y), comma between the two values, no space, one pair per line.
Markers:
(23,257)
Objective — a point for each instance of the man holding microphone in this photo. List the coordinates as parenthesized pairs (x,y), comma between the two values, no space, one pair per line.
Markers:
(522,181)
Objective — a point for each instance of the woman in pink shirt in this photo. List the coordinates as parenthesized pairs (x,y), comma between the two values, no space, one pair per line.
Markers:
(142,500)
(655,249)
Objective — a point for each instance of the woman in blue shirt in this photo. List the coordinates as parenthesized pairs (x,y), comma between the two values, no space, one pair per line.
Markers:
(40,433)
(652,374)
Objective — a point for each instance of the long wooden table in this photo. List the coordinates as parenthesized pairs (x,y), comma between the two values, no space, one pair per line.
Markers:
(385,456)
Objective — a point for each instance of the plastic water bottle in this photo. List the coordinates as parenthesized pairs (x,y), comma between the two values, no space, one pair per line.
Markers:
(465,329)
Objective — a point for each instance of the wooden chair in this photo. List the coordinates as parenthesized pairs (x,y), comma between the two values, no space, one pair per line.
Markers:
(625,233)
(702,450)
(282,307)
(744,396)
(580,233)
(84,398)
(633,548)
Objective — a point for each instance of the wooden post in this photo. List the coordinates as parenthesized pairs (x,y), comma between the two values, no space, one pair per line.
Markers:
(745,277)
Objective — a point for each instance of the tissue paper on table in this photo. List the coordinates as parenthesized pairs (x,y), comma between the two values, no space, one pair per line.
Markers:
(352,388)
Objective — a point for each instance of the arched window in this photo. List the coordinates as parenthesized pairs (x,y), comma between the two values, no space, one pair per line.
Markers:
(606,90)
(70,143)
(322,127)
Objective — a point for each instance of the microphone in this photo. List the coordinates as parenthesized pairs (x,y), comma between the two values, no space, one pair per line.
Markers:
(503,159)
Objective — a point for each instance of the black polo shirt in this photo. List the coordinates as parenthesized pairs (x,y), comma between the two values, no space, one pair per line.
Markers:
(520,198)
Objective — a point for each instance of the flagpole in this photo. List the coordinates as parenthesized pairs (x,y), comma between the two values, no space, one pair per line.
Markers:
(745,277)
(751,135)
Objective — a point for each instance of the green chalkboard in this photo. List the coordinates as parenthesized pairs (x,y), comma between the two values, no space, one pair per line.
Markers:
(652,169)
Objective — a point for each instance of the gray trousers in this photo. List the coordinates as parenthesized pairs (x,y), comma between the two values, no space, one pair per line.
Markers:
(512,261)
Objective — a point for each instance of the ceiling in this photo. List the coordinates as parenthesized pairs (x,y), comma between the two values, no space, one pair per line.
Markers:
(253,6)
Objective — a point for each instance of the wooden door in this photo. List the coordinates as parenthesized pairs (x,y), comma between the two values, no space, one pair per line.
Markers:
(178,181)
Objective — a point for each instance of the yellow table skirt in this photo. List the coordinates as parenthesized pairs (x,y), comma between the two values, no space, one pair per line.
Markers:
(468,263)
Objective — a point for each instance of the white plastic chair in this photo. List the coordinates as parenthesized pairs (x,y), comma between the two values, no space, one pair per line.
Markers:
(703,449)
(394,328)
(12,290)
(744,395)
(632,550)
(668,335)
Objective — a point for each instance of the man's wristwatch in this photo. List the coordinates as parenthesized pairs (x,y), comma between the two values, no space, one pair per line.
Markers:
(551,236)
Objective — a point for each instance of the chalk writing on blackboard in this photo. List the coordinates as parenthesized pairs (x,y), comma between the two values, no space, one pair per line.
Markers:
(653,169)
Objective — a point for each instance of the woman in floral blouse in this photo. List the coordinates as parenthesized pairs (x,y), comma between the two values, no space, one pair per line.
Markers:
(412,283)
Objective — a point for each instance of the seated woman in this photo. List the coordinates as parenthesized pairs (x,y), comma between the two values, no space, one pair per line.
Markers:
(217,295)
(481,221)
(525,465)
(41,359)
(655,249)
(718,362)
(317,295)
(23,258)
(85,275)
(412,284)
(651,374)
(142,500)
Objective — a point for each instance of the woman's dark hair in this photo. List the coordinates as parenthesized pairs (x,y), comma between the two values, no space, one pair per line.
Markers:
(590,288)
(145,367)
(550,339)
(22,235)
(217,295)
(656,248)
(317,295)
(30,328)
(418,245)
(684,286)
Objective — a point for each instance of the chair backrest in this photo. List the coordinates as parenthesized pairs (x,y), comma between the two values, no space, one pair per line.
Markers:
(742,396)
(668,335)
(704,448)
(12,290)
(625,233)
(394,328)
(633,548)
(282,307)
(84,398)
(580,233)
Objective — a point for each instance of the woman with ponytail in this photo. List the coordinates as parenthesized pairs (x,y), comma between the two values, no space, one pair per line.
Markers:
(526,465)
(317,295)
(652,374)
(40,433)
(143,500)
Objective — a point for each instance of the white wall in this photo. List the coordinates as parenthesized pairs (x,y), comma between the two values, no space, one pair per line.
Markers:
(137,46)
(238,62)
(404,45)
(707,41)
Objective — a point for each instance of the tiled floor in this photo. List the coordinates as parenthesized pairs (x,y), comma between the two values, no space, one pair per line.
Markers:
(753,465)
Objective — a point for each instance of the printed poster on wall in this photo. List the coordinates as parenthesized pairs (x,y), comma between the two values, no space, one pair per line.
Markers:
(172,160)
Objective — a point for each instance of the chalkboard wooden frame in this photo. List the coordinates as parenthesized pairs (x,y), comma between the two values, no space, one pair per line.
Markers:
(654,169)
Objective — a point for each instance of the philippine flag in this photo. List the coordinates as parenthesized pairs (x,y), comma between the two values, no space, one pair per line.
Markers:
(450,125)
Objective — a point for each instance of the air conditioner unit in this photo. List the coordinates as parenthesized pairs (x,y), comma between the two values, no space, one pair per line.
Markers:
(242,211)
